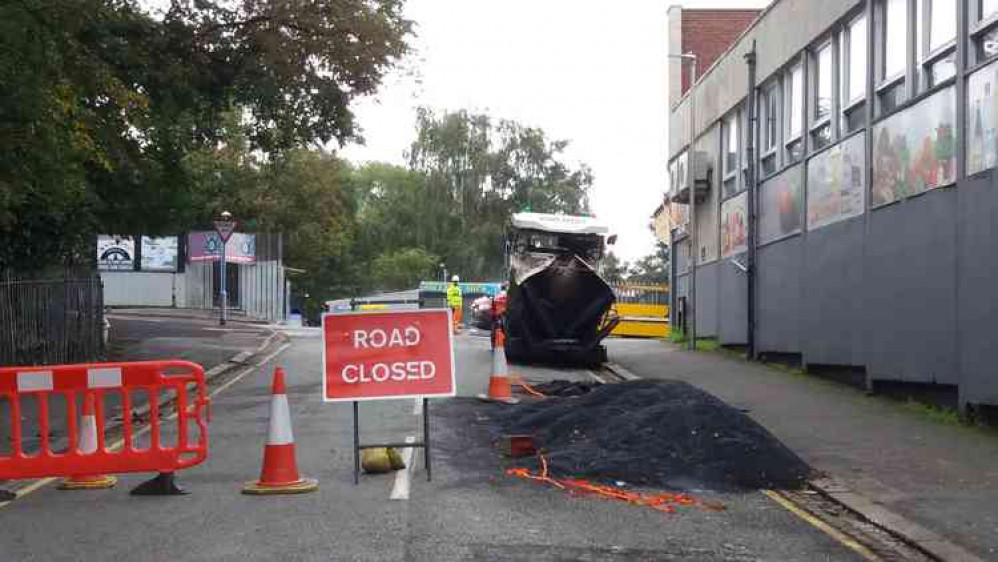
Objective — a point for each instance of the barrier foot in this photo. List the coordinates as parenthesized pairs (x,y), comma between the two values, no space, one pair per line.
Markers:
(98,482)
(7,496)
(164,484)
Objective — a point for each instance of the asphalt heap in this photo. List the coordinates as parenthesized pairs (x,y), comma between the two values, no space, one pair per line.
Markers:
(666,434)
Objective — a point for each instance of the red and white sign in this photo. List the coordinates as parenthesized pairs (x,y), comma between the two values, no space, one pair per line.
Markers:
(225,229)
(382,355)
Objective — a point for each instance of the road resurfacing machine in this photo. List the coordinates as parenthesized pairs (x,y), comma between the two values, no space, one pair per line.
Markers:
(559,309)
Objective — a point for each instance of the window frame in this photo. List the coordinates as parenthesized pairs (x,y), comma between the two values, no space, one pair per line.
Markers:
(726,121)
(846,63)
(978,28)
(790,137)
(931,57)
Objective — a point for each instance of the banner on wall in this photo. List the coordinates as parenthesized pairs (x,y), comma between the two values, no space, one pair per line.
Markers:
(207,246)
(734,226)
(159,253)
(982,119)
(915,150)
(115,253)
(780,205)
(836,184)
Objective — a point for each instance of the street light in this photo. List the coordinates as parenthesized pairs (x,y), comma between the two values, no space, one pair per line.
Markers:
(691,305)
(224,226)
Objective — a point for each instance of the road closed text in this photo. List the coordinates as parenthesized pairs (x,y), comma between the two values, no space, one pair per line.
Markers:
(384,372)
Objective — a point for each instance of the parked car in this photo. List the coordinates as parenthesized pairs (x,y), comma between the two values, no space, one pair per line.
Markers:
(481,313)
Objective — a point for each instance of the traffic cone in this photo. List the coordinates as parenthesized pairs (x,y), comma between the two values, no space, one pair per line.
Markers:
(87,445)
(280,469)
(500,389)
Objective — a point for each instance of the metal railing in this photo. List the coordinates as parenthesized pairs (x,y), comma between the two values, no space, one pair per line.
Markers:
(51,321)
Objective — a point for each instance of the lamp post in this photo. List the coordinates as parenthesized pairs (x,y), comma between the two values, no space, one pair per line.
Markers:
(224,226)
(690,157)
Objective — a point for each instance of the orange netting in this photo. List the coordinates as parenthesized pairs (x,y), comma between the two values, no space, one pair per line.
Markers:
(666,502)
(526,387)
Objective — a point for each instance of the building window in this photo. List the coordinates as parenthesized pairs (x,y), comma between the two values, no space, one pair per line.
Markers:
(942,15)
(986,35)
(821,137)
(730,133)
(770,130)
(895,47)
(823,83)
(855,82)
(795,101)
(988,8)
(770,123)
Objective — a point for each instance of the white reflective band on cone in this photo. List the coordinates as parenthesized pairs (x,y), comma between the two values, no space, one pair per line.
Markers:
(280,421)
(88,435)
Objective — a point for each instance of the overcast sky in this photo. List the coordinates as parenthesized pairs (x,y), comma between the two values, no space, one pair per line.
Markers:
(592,72)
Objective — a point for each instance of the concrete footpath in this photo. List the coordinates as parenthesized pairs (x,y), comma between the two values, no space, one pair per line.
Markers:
(933,483)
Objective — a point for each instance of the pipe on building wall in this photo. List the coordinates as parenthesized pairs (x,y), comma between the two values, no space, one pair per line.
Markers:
(750,183)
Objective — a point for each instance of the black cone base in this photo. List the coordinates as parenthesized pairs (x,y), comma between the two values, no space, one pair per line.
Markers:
(7,496)
(163,484)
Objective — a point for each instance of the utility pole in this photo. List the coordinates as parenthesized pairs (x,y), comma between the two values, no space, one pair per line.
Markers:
(690,160)
(224,226)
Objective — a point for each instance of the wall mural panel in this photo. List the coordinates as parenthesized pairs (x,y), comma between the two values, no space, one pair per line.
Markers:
(915,150)
(836,183)
(780,204)
(734,224)
(982,119)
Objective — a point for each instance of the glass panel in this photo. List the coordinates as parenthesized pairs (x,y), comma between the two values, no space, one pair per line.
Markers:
(730,187)
(730,145)
(795,151)
(982,119)
(987,43)
(821,137)
(836,184)
(896,38)
(768,165)
(915,150)
(988,8)
(891,98)
(823,101)
(943,28)
(942,70)
(796,101)
(854,119)
(780,205)
(771,110)
(734,226)
(857,59)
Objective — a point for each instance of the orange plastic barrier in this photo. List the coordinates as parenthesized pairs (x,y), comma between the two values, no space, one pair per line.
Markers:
(95,382)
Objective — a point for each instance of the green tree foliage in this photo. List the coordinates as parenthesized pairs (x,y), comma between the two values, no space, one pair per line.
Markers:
(403,269)
(103,104)
(612,269)
(467,174)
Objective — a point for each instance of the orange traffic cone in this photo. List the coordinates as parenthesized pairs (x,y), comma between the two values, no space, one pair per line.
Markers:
(500,389)
(280,469)
(87,445)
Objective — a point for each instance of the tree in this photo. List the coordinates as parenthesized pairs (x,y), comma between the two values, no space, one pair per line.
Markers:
(403,269)
(102,104)
(653,268)
(612,269)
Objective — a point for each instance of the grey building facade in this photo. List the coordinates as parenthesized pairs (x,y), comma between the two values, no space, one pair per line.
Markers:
(876,230)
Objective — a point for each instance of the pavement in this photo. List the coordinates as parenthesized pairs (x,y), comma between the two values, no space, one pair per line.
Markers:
(470,511)
(934,483)
(144,334)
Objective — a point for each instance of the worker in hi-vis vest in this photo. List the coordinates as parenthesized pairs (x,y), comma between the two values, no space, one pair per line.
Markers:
(454,301)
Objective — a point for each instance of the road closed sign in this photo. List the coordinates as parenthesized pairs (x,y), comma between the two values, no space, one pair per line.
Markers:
(382,355)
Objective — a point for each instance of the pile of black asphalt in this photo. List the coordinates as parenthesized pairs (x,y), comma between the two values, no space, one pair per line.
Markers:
(665,434)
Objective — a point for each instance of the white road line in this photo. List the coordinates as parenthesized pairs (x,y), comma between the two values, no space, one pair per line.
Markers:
(400,491)
(417,406)
(249,370)
(136,318)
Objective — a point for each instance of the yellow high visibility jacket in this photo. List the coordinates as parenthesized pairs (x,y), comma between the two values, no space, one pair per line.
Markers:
(453,296)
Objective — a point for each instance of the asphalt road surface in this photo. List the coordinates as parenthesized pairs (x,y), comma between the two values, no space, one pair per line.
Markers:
(470,511)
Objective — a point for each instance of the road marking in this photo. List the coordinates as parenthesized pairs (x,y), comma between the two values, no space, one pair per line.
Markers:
(38,484)
(417,406)
(400,491)
(839,536)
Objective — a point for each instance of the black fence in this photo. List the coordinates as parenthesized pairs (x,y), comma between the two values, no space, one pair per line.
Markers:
(51,321)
